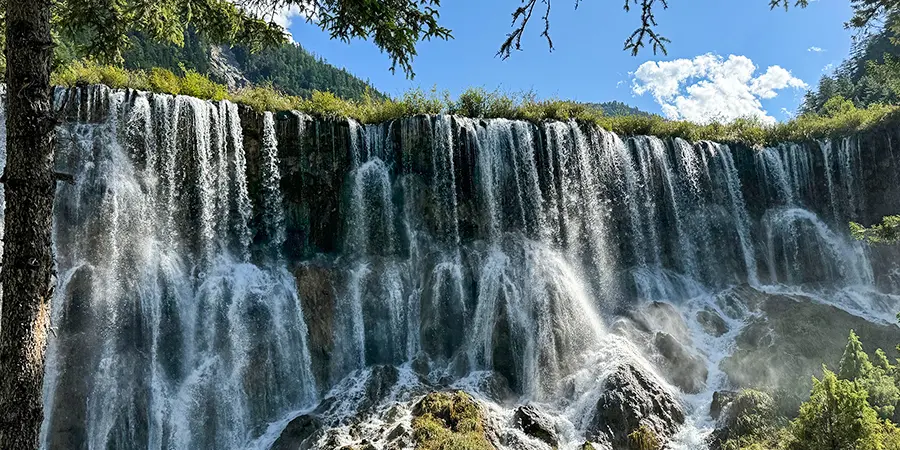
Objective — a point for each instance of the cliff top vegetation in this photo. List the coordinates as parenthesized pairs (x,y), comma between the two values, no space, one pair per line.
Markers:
(839,117)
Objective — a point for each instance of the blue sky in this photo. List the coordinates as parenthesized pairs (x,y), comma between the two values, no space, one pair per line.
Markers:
(589,64)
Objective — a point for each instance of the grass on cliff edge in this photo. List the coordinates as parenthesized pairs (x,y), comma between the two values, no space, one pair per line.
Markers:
(449,421)
(841,117)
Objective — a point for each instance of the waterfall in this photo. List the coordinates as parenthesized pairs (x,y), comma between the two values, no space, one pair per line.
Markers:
(222,271)
(183,343)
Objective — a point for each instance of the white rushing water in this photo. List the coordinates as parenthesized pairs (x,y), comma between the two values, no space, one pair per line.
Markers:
(467,251)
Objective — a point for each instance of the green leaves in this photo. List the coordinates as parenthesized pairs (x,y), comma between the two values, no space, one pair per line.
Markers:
(837,416)
(886,232)
(100,28)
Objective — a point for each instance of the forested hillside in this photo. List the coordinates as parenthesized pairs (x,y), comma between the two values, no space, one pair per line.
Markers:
(871,75)
(617,108)
(289,68)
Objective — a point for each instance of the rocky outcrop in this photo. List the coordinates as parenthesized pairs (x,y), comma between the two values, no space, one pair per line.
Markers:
(788,339)
(444,420)
(749,414)
(631,399)
(720,401)
(534,423)
(660,329)
(224,66)
(685,369)
(299,434)
(316,286)
(712,322)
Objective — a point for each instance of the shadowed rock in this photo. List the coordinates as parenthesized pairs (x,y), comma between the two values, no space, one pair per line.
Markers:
(535,424)
(632,398)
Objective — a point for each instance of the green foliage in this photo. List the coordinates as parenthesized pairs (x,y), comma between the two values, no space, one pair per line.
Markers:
(883,392)
(855,362)
(837,106)
(886,232)
(164,81)
(265,98)
(881,361)
(449,421)
(297,72)
(103,29)
(479,103)
(200,86)
(871,75)
(157,80)
(643,438)
(837,416)
(88,72)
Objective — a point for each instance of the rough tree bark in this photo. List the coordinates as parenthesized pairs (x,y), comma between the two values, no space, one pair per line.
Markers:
(27,271)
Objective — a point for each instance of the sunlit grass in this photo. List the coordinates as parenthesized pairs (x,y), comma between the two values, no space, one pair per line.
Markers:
(840,117)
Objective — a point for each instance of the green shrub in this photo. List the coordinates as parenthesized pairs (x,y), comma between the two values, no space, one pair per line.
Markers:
(837,416)
(164,81)
(839,119)
(200,86)
(265,98)
(643,438)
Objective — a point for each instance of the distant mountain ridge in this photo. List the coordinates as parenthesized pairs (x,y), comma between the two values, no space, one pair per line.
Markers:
(617,108)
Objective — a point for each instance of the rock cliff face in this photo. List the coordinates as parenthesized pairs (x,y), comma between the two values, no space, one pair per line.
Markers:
(231,279)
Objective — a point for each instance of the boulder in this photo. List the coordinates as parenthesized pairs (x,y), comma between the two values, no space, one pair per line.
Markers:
(683,368)
(494,386)
(299,434)
(720,401)
(534,423)
(711,322)
(633,399)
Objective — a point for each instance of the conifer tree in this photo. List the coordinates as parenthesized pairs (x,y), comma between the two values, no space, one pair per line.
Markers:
(855,362)
(836,417)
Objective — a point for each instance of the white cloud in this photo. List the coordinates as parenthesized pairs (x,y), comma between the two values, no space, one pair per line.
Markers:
(709,87)
(787,113)
(815,49)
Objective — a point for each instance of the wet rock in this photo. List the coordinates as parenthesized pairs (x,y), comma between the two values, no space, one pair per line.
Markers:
(299,434)
(681,367)
(535,424)
(587,446)
(400,432)
(712,323)
(661,316)
(720,401)
(750,415)
(785,344)
(495,386)
(631,399)
(316,286)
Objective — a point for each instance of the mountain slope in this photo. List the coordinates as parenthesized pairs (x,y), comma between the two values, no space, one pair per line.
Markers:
(617,108)
(290,68)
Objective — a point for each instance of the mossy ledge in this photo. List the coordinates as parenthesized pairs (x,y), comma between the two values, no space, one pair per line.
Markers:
(449,420)
(479,103)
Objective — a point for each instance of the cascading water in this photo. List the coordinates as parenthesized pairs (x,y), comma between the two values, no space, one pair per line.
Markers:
(177,340)
(220,272)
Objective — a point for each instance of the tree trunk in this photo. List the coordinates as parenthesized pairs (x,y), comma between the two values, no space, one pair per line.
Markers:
(27,271)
